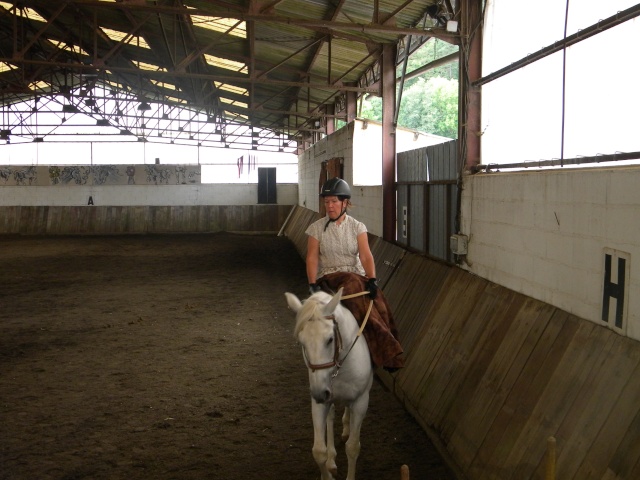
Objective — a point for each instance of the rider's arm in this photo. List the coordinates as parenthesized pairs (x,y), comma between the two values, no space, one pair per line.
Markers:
(313,253)
(366,257)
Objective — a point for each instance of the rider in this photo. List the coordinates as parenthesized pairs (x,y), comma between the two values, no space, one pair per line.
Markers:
(338,255)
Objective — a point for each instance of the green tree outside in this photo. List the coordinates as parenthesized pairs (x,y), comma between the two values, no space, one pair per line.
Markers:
(430,101)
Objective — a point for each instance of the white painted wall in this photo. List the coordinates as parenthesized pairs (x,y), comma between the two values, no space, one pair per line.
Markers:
(366,200)
(367,148)
(147,195)
(545,233)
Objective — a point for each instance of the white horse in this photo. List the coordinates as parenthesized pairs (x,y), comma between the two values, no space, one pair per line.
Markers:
(340,372)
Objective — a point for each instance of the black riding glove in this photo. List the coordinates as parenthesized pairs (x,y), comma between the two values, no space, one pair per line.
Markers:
(372,286)
(313,288)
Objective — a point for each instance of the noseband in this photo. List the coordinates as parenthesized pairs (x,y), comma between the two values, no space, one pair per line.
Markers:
(337,348)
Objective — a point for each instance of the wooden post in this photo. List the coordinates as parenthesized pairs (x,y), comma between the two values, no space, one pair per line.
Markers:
(550,473)
(404,472)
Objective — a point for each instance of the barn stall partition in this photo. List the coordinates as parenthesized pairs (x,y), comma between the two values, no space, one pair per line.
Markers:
(492,374)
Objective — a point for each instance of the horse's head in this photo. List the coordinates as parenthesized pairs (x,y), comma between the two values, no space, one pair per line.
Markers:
(317,332)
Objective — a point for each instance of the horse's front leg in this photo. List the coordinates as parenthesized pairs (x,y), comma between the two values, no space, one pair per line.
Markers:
(346,419)
(331,446)
(358,411)
(324,452)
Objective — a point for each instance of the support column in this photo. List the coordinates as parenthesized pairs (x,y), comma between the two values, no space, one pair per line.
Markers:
(352,104)
(470,98)
(330,124)
(388,79)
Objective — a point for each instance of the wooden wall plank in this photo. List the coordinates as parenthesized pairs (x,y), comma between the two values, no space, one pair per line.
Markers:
(490,348)
(412,313)
(487,396)
(521,400)
(450,316)
(387,257)
(298,222)
(420,348)
(555,400)
(115,220)
(596,398)
(618,432)
(462,352)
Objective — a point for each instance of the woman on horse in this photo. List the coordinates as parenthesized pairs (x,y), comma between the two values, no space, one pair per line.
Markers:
(338,255)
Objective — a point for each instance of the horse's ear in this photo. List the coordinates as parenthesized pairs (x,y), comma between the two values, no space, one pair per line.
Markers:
(293,301)
(333,304)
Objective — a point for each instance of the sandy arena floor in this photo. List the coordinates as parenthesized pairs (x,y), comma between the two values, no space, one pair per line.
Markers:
(168,357)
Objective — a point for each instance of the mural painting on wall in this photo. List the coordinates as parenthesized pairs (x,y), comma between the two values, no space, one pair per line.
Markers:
(66,175)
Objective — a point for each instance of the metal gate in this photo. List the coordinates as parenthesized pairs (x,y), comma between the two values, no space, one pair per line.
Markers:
(427,199)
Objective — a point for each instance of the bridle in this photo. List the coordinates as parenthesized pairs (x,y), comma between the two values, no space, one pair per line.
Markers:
(337,348)
(337,344)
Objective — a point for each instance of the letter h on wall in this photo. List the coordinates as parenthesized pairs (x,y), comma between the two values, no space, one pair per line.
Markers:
(615,289)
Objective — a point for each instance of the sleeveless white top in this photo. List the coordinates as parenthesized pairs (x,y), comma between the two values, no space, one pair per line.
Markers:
(338,245)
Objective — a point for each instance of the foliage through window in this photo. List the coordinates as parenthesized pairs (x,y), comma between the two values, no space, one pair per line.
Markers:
(429,100)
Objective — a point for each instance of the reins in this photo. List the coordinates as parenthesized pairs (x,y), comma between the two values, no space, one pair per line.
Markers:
(366,317)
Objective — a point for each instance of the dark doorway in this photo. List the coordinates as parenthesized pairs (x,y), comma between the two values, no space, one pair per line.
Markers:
(267,192)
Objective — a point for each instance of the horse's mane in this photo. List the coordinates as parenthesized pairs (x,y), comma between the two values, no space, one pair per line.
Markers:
(310,310)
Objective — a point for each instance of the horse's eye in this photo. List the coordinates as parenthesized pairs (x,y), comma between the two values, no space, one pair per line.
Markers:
(330,341)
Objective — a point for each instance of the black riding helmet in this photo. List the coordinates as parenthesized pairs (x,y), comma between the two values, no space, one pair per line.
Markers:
(336,187)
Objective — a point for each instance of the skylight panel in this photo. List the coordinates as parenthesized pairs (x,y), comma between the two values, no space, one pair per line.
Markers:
(233,102)
(169,86)
(118,36)
(26,12)
(231,88)
(40,85)
(226,63)
(235,116)
(118,85)
(6,67)
(149,66)
(69,48)
(230,26)
(176,100)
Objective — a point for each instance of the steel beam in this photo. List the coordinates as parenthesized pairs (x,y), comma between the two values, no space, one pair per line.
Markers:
(388,80)
(470,96)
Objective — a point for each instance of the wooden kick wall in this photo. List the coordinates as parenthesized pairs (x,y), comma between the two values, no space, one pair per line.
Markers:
(491,374)
(108,220)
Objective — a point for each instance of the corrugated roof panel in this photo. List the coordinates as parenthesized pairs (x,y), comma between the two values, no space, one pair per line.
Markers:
(292,68)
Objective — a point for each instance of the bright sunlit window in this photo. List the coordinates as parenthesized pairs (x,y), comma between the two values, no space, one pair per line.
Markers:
(593,90)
